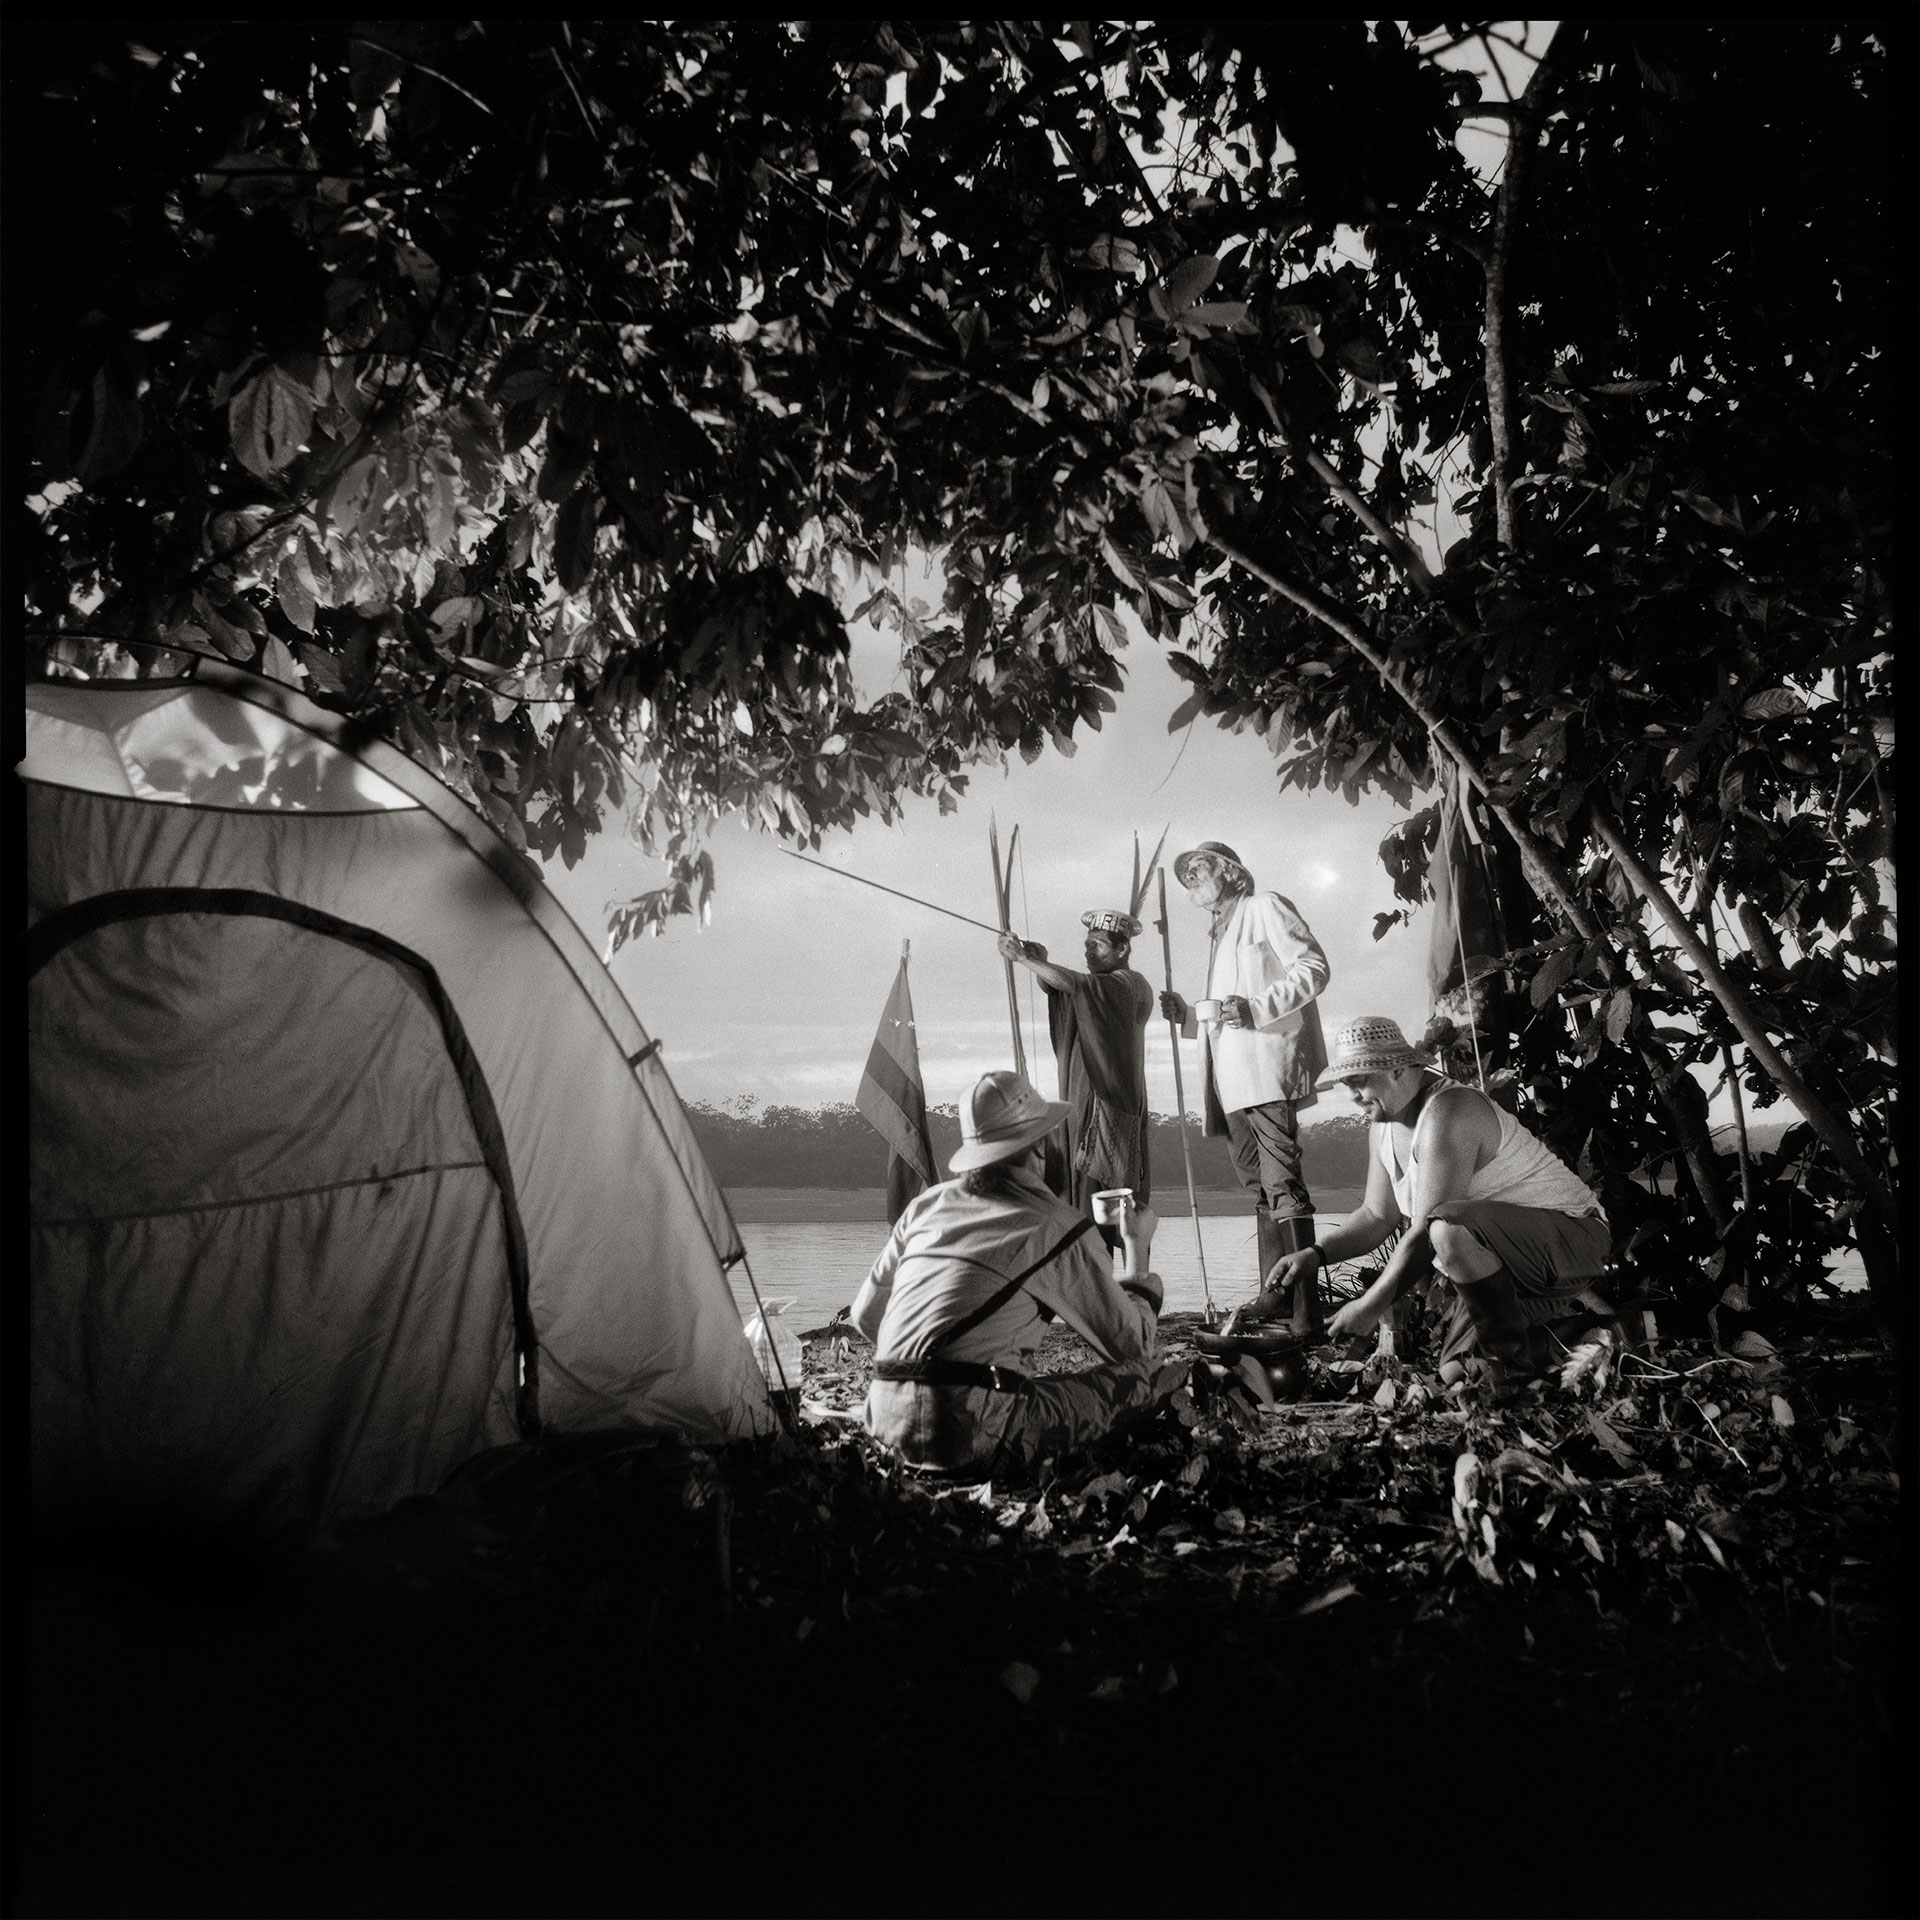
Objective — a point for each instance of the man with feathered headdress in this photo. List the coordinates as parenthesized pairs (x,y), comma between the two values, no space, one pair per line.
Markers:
(1098,1023)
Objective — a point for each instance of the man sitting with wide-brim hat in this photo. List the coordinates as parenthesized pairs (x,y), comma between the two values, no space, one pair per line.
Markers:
(1513,1230)
(957,1304)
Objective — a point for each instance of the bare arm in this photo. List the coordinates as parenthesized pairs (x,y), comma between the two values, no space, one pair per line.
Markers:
(1360,1232)
(1033,957)
(1456,1136)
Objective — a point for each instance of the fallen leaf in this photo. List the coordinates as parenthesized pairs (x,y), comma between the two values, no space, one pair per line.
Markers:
(1604,1431)
(1113,1687)
(1677,1534)
(1592,1545)
(1181,1548)
(1713,1547)
(1386,1395)
(1230,1520)
(1753,1346)
(1331,1597)
(1020,1680)
(1782,1413)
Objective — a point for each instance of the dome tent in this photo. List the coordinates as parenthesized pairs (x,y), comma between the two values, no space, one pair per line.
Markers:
(348,1157)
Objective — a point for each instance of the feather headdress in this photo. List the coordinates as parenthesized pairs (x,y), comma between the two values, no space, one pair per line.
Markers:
(1110,919)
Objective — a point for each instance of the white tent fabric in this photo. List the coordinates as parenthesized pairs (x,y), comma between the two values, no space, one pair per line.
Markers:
(338,1123)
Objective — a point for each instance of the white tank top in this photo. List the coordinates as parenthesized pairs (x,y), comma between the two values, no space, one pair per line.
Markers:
(1523,1172)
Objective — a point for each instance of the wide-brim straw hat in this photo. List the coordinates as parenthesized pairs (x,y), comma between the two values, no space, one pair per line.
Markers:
(1111,920)
(1218,849)
(1002,1117)
(1370,1044)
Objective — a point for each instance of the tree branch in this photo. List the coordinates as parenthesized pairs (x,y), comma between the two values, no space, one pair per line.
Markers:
(1529,112)
(1832,1132)
(1553,888)
(1542,873)
(1404,558)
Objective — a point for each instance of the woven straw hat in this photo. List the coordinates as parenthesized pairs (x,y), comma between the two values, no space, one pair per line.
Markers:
(1002,1117)
(1183,862)
(1111,920)
(1370,1044)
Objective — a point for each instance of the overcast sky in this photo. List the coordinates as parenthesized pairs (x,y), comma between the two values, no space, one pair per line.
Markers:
(780,996)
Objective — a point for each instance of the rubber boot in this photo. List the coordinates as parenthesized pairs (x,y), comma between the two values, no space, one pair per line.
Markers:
(1504,1339)
(1267,1232)
(1296,1232)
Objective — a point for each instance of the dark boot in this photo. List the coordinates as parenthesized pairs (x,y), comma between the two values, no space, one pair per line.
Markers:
(1267,1232)
(1504,1339)
(1296,1232)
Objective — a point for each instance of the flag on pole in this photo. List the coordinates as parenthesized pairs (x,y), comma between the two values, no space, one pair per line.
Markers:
(893,1101)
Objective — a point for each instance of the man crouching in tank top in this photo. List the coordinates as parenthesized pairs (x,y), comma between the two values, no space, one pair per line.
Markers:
(1514,1231)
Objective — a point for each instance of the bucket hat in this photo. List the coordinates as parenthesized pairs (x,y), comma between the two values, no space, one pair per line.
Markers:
(1370,1044)
(1002,1117)
(1219,849)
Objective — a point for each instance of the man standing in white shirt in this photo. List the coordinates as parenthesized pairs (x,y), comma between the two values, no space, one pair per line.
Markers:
(1261,1047)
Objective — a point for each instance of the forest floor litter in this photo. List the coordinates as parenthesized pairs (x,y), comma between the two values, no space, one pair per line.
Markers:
(1302,1659)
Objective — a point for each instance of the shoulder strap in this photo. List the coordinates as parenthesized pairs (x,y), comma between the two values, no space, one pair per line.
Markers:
(1001,1295)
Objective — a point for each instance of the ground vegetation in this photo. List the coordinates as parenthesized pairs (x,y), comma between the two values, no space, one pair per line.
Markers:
(1639,1648)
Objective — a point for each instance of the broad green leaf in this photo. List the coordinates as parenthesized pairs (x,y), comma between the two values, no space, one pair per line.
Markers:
(1561,966)
(268,421)
(278,663)
(296,602)
(1189,280)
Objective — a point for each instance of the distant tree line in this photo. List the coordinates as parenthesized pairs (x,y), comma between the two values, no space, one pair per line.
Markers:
(833,1146)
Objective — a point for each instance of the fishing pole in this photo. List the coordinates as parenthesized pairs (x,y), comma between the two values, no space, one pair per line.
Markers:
(912,899)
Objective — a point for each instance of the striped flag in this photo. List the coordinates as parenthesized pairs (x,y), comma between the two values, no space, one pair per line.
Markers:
(893,1101)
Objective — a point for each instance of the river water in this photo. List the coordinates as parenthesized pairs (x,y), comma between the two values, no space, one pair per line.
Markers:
(819,1263)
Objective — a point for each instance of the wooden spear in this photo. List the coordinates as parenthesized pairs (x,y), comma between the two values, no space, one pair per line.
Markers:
(1002,899)
(1180,1098)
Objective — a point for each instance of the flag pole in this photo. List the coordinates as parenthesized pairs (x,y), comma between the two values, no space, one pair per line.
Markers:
(1180,1096)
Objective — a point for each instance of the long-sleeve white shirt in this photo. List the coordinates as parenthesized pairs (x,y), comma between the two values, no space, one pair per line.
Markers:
(1264,952)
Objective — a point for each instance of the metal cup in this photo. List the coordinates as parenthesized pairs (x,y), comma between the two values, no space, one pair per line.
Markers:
(1110,1207)
(1207,1012)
